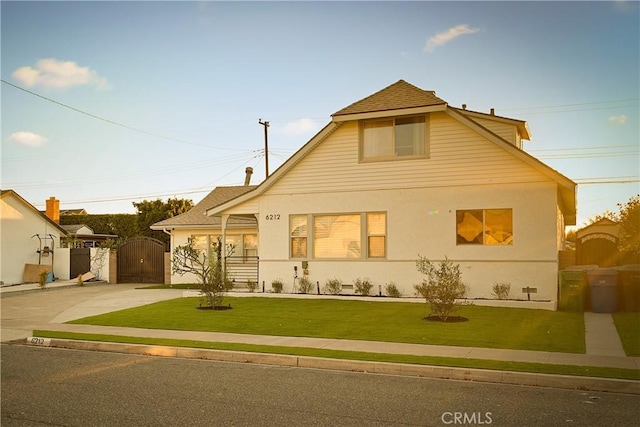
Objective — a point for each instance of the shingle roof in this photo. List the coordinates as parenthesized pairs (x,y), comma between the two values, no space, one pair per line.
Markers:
(73,228)
(397,96)
(197,215)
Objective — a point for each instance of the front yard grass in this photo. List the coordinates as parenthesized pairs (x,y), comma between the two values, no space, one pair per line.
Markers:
(491,327)
(628,326)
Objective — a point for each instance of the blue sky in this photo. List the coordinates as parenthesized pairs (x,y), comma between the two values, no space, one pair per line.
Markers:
(169,93)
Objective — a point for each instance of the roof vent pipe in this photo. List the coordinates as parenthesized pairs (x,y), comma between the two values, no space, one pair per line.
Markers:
(248,172)
(493,111)
(464,106)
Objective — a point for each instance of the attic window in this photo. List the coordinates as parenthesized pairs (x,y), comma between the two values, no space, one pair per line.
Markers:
(388,139)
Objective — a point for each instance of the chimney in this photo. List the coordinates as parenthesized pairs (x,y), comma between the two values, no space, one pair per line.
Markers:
(53,209)
(493,111)
(248,172)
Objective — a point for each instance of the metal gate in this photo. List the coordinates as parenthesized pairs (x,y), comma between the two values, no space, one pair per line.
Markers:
(141,260)
(79,261)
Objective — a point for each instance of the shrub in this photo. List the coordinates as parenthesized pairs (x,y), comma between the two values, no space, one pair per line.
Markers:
(80,281)
(392,290)
(207,267)
(501,290)
(362,286)
(442,286)
(305,285)
(252,286)
(333,286)
(277,285)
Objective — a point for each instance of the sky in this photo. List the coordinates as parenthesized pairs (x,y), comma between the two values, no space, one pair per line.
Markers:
(109,103)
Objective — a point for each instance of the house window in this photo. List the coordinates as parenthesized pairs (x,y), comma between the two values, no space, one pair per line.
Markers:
(401,137)
(484,226)
(376,234)
(250,245)
(336,236)
(298,236)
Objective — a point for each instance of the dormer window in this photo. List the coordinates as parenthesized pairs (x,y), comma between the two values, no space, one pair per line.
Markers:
(396,138)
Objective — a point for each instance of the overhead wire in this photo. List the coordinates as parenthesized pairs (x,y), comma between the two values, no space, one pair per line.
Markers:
(113,122)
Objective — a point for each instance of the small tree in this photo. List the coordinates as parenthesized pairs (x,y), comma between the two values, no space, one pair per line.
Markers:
(207,267)
(442,286)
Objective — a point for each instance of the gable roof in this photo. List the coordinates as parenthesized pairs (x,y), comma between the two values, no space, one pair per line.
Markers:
(197,217)
(7,193)
(74,228)
(388,102)
(398,96)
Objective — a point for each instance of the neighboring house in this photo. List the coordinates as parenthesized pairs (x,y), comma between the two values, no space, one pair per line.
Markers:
(241,233)
(82,236)
(73,212)
(26,237)
(402,174)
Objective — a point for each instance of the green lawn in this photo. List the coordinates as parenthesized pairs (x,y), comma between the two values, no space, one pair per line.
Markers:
(491,327)
(628,325)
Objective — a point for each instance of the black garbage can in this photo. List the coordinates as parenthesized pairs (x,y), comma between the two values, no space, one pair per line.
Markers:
(603,287)
(573,284)
(629,284)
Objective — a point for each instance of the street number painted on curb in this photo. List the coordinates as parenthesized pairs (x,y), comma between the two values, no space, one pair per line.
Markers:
(44,342)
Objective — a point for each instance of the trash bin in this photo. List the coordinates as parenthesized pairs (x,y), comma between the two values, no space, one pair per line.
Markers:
(629,284)
(603,287)
(572,290)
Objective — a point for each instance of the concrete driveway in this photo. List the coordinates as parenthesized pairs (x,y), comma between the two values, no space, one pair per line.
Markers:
(22,312)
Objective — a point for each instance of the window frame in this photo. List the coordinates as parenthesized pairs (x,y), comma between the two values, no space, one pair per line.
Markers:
(395,156)
(363,236)
(483,233)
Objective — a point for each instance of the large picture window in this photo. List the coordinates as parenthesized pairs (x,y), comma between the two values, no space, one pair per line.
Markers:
(338,236)
(484,226)
(394,138)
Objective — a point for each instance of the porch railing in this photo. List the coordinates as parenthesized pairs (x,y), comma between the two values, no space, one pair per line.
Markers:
(241,269)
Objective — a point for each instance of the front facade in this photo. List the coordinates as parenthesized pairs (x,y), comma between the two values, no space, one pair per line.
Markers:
(27,237)
(401,174)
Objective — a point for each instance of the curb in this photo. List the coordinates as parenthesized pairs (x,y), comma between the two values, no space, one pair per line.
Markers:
(384,368)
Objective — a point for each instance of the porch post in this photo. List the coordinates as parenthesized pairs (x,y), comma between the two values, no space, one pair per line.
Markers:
(225,218)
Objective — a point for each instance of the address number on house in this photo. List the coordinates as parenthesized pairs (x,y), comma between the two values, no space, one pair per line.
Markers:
(272,217)
(45,342)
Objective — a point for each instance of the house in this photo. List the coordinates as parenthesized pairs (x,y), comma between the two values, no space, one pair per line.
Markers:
(28,239)
(402,174)
(83,236)
(241,232)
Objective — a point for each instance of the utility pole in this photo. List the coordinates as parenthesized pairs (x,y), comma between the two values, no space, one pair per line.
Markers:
(266,147)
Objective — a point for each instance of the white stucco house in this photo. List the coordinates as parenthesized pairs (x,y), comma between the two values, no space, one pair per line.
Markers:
(28,236)
(400,174)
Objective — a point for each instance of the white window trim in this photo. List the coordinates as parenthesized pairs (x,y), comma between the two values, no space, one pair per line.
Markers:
(395,158)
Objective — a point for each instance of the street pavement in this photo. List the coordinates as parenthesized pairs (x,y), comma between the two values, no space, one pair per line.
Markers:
(26,308)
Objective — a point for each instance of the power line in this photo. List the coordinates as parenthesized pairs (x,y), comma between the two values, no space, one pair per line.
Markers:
(112,121)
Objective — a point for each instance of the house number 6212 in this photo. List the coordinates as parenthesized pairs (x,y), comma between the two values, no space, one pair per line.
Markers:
(273,217)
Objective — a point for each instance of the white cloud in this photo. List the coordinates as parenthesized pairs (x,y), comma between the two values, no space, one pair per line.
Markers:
(56,74)
(299,127)
(448,35)
(28,138)
(618,120)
